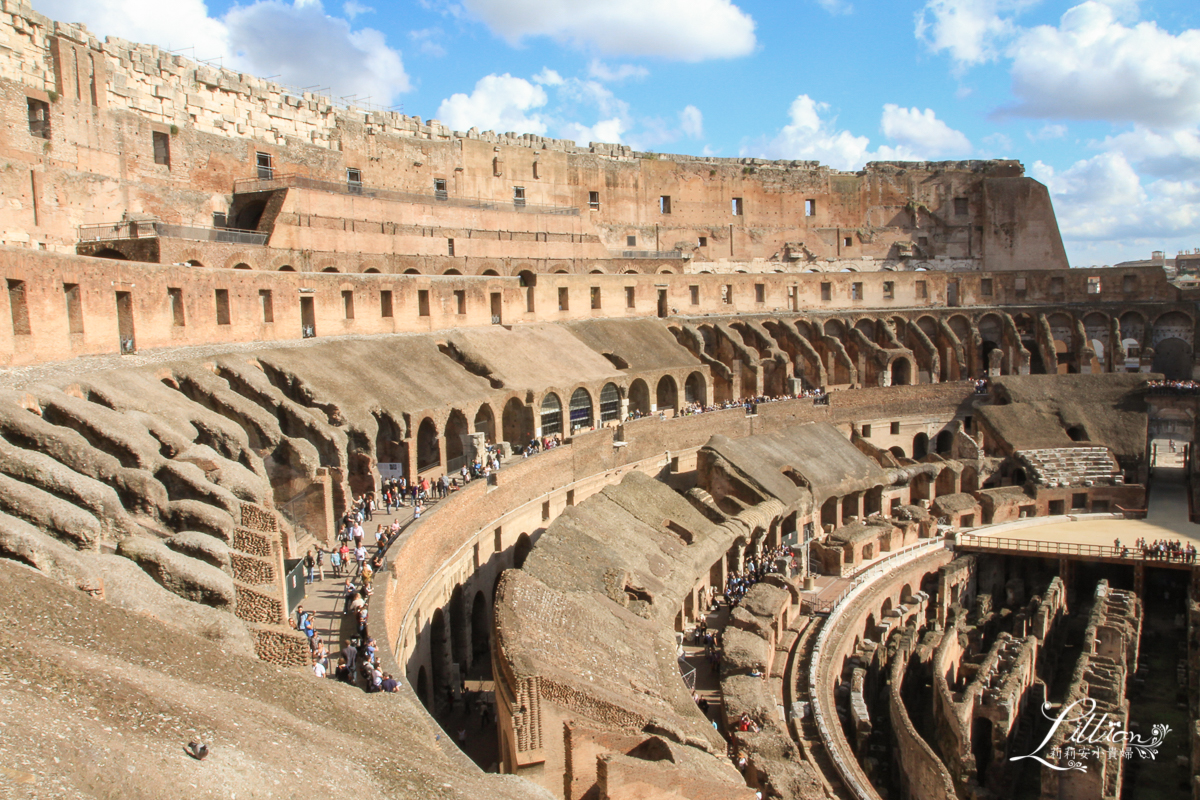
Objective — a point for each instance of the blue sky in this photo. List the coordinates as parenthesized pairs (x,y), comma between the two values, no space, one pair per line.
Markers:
(1099,99)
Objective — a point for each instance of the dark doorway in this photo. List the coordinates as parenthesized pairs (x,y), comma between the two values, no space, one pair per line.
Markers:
(125,332)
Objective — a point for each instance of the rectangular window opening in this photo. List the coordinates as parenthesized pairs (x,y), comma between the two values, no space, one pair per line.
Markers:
(664,204)
(826,291)
(460,301)
(449,247)
(595,297)
(1129,283)
(866,431)
(895,429)
(265,166)
(385,303)
(727,293)
(422,302)
(694,291)
(74,307)
(703,241)
(354,179)
(922,290)
(847,241)
(810,208)
(439,188)
(564,299)
(594,201)
(629,291)
(348,303)
(960,207)
(267,303)
(162,148)
(856,292)
(518,195)
(175,296)
(985,287)
(631,241)
(222,299)
(1056,286)
(737,206)
(39,118)
(760,293)
(889,290)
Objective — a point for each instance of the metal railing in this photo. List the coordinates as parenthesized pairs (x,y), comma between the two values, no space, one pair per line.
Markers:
(652,254)
(1034,546)
(152,229)
(247,185)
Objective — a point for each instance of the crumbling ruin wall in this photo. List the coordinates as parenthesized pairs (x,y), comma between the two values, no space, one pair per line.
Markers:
(922,773)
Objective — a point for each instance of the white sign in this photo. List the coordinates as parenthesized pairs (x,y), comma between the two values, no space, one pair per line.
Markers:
(391,469)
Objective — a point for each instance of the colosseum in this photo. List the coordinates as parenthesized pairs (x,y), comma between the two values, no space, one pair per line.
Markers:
(724,478)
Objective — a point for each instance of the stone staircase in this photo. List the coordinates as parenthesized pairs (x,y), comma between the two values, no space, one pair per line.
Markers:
(1071,466)
(256,559)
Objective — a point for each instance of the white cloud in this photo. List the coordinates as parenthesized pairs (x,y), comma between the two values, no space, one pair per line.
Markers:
(603,72)
(499,103)
(807,136)
(353,9)
(548,77)
(836,6)
(681,30)
(608,131)
(922,132)
(297,41)
(997,145)
(970,30)
(1164,154)
(691,121)
(1094,67)
(1047,132)
(427,42)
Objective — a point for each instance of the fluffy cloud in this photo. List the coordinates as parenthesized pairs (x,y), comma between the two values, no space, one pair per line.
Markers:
(836,6)
(691,122)
(499,103)
(603,72)
(1162,154)
(608,131)
(427,41)
(680,30)
(971,31)
(1093,67)
(298,41)
(922,132)
(915,135)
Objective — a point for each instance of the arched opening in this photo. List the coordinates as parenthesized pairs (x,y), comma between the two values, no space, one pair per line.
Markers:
(456,429)
(581,410)
(372,271)
(1173,359)
(490,272)
(458,628)
(108,252)
(452,271)
(481,638)
(515,423)
(693,389)
(423,688)
(331,270)
(412,271)
(920,446)
(248,217)
(287,268)
(901,372)
(1018,476)
(485,422)
(429,454)
(551,415)
(667,394)
(943,443)
(897,451)
(610,403)
(639,398)
(829,513)
(521,550)
(193,262)
(529,283)
(437,658)
(1077,433)
(241,265)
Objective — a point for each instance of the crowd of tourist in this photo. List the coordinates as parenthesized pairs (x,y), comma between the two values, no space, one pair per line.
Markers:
(1174,387)
(1161,550)
(751,404)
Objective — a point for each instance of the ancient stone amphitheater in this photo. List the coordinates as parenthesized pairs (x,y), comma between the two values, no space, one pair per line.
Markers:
(235,308)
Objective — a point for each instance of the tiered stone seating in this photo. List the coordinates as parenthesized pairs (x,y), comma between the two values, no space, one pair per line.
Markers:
(1070,466)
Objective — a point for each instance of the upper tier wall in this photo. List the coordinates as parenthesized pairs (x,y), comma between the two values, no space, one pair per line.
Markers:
(60,306)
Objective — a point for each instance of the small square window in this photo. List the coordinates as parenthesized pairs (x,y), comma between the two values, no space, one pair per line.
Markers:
(1056,286)
(265,166)
(826,291)
(866,431)
(923,241)
(1093,285)
(737,206)
(39,118)
(1129,283)
(439,186)
(847,241)
(856,292)
(354,178)
(518,195)
(922,290)
(760,293)
(960,207)
(594,201)
(810,208)
(727,294)
(703,241)
(895,429)
(178,318)
(889,290)
(985,287)
(664,204)
(631,241)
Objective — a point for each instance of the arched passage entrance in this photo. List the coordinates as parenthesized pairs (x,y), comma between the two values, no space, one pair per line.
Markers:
(639,397)
(458,627)
(610,403)
(551,415)
(920,446)
(429,454)
(438,672)
(456,428)
(693,389)
(1173,358)
(521,550)
(515,422)
(481,637)
(901,372)
(485,422)
(667,394)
